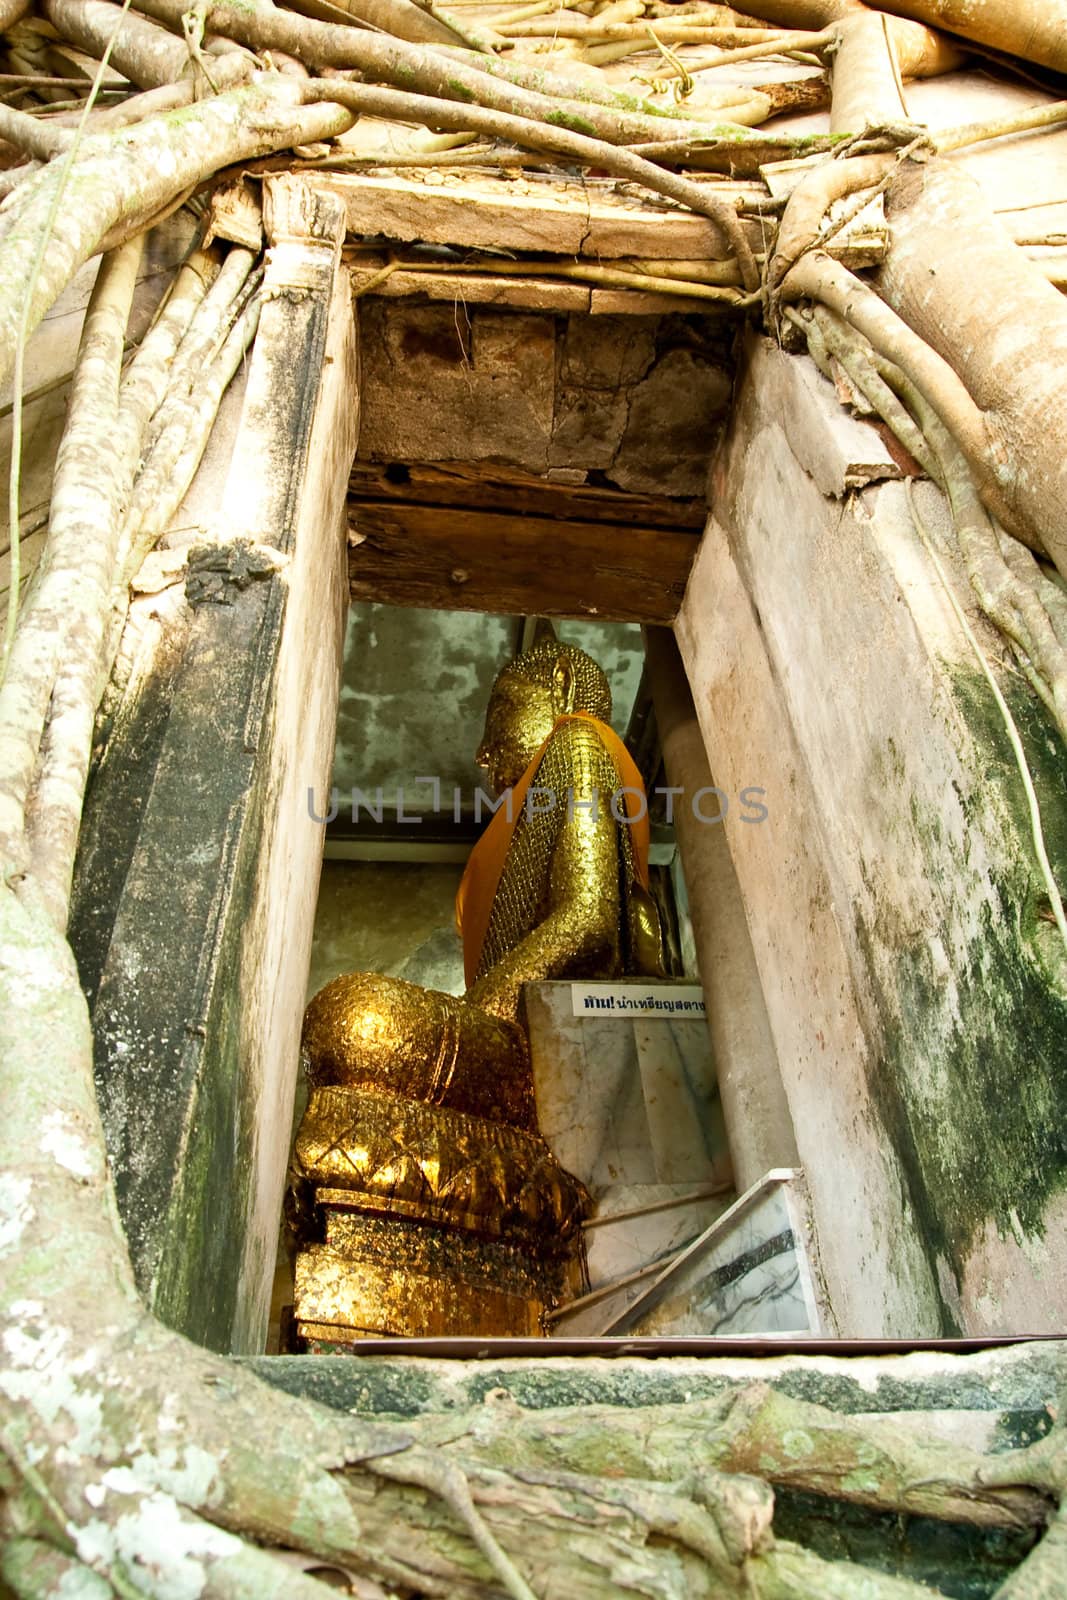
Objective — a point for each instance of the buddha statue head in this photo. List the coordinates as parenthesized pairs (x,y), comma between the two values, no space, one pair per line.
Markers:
(548,681)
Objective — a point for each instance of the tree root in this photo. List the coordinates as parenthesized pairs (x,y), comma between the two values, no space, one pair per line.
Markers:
(140,170)
(416,70)
(186,420)
(36,139)
(445,116)
(867,85)
(1044,1465)
(1012,602)
(1040,1576)
(859,362)
(816,43)
(1008,720)
(133,1423)
(1013,605)
(886,1463)
(142,51)
(33,1567)
(199,1444)
(60,623)
(817,277)
(801,226)
(524,75)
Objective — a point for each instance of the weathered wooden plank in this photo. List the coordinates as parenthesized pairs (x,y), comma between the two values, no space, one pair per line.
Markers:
(488,486)
(566,219)
(456,559)
(533,294)
(236,214)
(468,288)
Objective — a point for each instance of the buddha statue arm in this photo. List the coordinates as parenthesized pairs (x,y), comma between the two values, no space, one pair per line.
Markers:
(581,929)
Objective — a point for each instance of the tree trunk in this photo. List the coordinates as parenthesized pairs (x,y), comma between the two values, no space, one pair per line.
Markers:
(1033,29)
(966,289)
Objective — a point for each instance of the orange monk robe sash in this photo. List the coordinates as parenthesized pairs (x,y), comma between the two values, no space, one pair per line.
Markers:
(477,889)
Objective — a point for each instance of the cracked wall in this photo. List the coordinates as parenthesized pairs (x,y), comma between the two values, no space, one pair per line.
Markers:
(633,402)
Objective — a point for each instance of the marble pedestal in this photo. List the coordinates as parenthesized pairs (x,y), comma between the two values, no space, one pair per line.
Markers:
(628,1102)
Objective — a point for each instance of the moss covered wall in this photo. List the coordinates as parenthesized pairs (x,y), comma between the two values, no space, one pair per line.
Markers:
(970,1079)
(918,992)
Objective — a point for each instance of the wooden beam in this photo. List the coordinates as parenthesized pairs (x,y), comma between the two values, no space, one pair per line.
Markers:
(567,219)
(488,486)
(453,558)
(535,294)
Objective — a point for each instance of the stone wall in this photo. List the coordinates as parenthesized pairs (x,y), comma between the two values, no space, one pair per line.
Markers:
(636,401)
(916,990)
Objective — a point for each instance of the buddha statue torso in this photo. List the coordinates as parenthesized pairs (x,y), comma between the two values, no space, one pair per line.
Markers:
(422,1200)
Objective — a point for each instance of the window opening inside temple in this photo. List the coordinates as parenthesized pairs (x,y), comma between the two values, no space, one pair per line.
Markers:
(566,1173)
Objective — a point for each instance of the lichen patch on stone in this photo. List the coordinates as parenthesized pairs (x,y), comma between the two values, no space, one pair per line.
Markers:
(156,1538)
(16,1213)
(189,1474)
(61,1140)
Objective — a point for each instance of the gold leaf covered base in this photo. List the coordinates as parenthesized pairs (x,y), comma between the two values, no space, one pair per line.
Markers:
(420,1221)
(387,1276)
(444,1165)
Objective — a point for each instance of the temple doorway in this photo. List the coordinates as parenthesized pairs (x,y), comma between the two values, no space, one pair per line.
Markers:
(674,1245)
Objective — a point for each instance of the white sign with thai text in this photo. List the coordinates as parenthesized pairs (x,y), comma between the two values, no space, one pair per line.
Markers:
(667,1000)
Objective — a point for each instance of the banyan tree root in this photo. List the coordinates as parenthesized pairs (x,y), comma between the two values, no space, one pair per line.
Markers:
(188,1442)
(97,481)
(111,1427)
(887,1463)
(186,420)
(127,456)
(861,364)
(438,75)
(803,223)
(817,277)
(995,393)
(991,314)
(1040,1576)
(170,398)
(138,171)
(444,116)
(1032,29)
(141,50)
(1028,610)
(61,623)
(210,323)
(616,1504)
(525,74)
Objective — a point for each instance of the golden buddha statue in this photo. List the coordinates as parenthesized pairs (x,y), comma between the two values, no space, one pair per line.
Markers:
(422,1199)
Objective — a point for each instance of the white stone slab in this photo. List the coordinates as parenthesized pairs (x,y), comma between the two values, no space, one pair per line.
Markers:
(751,1280)
(755,1281)
(625,1101)
(617,1249)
